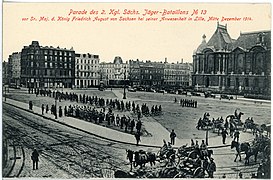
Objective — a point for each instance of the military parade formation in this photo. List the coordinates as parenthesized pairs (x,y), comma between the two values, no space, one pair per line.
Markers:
(195,161)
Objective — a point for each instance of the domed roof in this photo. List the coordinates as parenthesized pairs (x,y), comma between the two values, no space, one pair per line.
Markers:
(117,60)
(202,46)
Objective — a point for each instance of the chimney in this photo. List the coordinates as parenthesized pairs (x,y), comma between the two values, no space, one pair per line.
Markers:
(182,61)
(166,60)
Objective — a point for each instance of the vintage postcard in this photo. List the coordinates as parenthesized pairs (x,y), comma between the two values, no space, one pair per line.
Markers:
(136,90)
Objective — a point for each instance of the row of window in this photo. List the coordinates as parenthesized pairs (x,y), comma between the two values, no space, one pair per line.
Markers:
(178,67)
(176,78)
(50,52)
(176,72)
(81,67)
(49,58)
(87,74)
(51,65)
(81,83)
(113,66)
(49,72)
(151,71)
(87,61)
(114,71)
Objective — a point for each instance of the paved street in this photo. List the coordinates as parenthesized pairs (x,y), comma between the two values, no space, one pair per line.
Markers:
(24,122)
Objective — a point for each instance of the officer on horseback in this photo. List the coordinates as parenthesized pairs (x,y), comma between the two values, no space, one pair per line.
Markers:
(236,114)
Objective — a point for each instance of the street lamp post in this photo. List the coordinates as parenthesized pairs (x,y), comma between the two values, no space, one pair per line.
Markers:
(56,97)
(56,105)
(207,135)
(5,93)
(124,93)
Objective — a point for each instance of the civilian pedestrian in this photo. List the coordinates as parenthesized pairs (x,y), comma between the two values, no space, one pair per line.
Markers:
(43,108)
(172,136)
(47,108)
(35,159)
(224,135)
(137,136)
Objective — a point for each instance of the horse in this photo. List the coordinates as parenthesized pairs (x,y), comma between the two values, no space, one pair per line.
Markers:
(249,125)
(218,124)
(236,119)
(141,158)
(245,147)
(197,152)
(203,123)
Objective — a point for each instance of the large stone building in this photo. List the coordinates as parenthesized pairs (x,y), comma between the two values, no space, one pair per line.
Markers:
(148,74)
(114,74)
(87,70)
(235,66)
(43,66)
(177,74)
(5,79)
(14,68)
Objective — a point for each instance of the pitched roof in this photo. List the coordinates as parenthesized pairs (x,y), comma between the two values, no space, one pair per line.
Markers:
(251,39)
(221,39)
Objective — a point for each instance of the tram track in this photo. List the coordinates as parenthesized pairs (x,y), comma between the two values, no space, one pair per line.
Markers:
(79,158)
(17,166)
(79,149)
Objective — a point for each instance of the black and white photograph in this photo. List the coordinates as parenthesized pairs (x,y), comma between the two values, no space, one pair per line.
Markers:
(136,90)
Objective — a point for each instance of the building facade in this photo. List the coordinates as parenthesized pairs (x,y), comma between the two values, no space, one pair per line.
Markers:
(134,72)
(147,74)
(47,67)
(114,74)
(14,68)
(86,70)
(177,74)
(236,66)
(5,79)
(152,74)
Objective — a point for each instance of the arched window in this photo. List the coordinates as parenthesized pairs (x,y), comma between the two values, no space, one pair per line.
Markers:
(259,63)
(240,63)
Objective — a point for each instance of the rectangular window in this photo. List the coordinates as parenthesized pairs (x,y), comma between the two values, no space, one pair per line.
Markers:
(246,82)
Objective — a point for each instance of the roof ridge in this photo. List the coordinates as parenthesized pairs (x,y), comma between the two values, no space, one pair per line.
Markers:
(254,32)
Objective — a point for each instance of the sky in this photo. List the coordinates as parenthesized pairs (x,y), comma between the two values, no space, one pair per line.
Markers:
(144,40)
